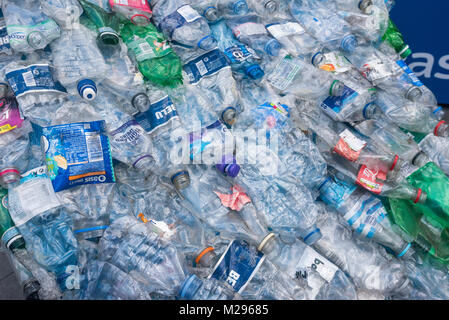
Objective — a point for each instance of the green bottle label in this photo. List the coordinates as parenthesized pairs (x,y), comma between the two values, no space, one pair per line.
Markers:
(149,47)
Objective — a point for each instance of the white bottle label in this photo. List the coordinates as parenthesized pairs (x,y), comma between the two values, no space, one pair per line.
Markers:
(285,29)
(188,13)
(249,29)
(353,142)
(312,259)
(36,195)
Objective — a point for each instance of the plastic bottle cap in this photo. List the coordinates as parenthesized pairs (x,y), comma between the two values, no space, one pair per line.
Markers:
(254,71)
(265,240)
(87,89)
(365,109)
(405,52)
(145,162)
(437,109)
(272,47)
(202,253)
(109,38)
(413,94)
(232,170)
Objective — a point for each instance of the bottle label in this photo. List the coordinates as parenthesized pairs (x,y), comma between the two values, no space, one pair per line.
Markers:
(283,74)
(76,154)
(333,105)
(35,195)
(336,63)
(349,146)
(238,53)
(206,65)
(249,29)
(158,115)
(376,69)
(410,76)
(128,133)
(366,215)
(5,47)
(183,15)
(141,5)
(18,34)
(335,192)
(367,178)
(238,265)
(280,30)
(152,46)
(313,260)
(34,78)
(10,116)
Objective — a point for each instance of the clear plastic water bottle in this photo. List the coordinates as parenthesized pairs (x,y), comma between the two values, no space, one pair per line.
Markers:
(65,12)
(323,24)
(250,30)
(242,59)
(364,262)
(28,27)
(436,148)
(45,226)
(181,23)
(363,213)
(78,62)
(195,288)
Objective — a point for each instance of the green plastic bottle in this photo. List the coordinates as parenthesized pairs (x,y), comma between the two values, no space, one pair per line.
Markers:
(428,223)
(395,38)
(107,23)
(155,58)
(9,233)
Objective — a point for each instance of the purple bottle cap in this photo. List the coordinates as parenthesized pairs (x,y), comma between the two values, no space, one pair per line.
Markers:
(229,166)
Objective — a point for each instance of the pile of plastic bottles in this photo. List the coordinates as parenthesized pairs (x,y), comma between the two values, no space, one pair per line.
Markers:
(219,149)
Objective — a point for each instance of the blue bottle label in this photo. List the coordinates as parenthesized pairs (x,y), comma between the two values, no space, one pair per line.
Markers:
(34,78)
(334,192)
(205,65)
(158,115)
(333,105)
(237,53)
(365,217)
(238,265)
(409,76)
(5,47)
(183,15)
(130,132)
(76,154)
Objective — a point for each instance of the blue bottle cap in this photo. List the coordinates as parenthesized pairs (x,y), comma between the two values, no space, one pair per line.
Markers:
(272,47)
(365,109)
(315,58)
(87,89)
(254,71)
(240,7)
(190,287)
(313,237)
(437,109)
(232,170)
(207,43)
(349,43)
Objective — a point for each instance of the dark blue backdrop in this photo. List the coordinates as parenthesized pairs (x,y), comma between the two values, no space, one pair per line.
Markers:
(425,28)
